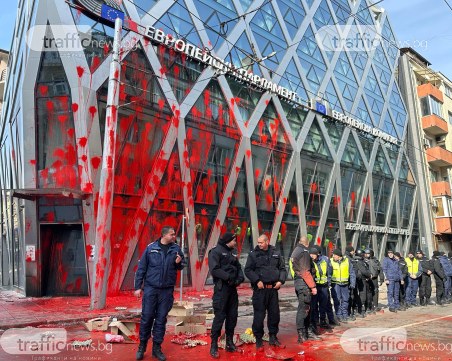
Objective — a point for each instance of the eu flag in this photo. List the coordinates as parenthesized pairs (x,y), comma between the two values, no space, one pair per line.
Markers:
(110,14)
(321,108)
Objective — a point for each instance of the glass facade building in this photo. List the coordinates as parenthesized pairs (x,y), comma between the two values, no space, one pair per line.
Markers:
(193,141)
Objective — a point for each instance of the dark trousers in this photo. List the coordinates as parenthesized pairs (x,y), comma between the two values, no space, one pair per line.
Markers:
(402,294)
(225,303)
(265,301)
(373,286)
(447,287)
(304,301)
(439,288)
(156,304)
(393,294)
(340,294)
(411,290)
(319,305)
(425,287)
(364,295)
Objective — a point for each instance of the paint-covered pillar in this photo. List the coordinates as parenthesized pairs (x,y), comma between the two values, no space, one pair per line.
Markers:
(99,283)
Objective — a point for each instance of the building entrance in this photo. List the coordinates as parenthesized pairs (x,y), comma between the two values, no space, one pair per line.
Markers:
(63,261)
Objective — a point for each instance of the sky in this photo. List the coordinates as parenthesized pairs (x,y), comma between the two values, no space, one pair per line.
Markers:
(423,25)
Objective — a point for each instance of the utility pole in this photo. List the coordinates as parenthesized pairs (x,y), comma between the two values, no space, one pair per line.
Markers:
(101,272)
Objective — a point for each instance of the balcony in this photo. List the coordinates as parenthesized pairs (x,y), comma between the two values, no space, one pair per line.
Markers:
(434,125)
(443,225)
(439,157)
(429,89)
(440,189)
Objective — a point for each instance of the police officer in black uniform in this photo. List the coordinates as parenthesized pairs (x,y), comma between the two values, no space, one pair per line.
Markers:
(404,268)
(267,273)
(305,287)
(227,275)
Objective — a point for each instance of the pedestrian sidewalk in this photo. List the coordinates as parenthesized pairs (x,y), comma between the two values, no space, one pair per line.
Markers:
(19,311)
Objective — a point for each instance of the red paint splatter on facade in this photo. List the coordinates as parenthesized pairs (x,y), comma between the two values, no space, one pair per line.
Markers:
(80,71)
(74,107)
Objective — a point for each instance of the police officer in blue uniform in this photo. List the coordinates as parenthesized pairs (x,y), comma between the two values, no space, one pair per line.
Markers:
(227,275)
(155,279)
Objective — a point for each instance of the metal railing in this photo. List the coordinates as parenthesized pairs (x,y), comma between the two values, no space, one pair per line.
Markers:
(3,75)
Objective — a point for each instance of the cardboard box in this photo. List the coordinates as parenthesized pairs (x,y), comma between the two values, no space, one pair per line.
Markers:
(194,328)
(126,328)
(182,308)
(191,319)
(97,324)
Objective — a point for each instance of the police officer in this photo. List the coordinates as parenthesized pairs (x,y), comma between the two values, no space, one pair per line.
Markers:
(354,300)
(362,283)
(376,272)
(447,267)
(305,287)
(227,275)
(438,274)
(393,279)
(425,286)
(402,292)
(265,268)
(343,279)
(319,302)
(412,279)
(156,274)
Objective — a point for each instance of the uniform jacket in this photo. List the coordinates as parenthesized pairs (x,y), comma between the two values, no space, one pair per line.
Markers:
(329,269)
(391,269)
(224,265)
(302,265)
(409,265)
(437,268)
(403,267)
(425,265)
(351,271)
(362,269)
(156,269)
(266,266)
(375,268)
(447,266)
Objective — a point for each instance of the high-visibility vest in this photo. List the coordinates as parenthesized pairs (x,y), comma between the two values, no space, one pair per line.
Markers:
(341,271)
(413,266)
(321,279)
(292,272)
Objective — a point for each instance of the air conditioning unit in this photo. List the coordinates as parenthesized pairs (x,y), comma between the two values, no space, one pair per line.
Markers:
(427,143)
(440,139)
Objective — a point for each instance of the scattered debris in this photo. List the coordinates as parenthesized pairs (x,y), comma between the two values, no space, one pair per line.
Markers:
(301,353)
(114,338)
(78,343)
(182,308)
(126,328)
(192,324)
(120,308)
(280,355)
(236,339)
(98,324)
(188,340)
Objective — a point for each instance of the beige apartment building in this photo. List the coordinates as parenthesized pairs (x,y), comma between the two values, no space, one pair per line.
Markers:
(430,103)
(3,69)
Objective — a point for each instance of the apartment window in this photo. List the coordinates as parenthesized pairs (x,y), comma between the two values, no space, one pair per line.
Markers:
(430,105)
(450,117)
(448,91)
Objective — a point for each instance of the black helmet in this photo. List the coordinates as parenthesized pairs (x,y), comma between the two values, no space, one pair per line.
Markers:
(318,248)
(367,251)
(360,253)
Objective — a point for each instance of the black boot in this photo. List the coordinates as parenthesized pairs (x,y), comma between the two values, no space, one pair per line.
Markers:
(315,330)
(302,336)
(310,334)
(214,349)
(157,351)
(141,350)
(325,325)
(259,344)
(273,340)
(230,347)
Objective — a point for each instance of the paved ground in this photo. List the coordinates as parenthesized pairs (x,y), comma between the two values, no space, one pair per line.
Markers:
(428,331)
